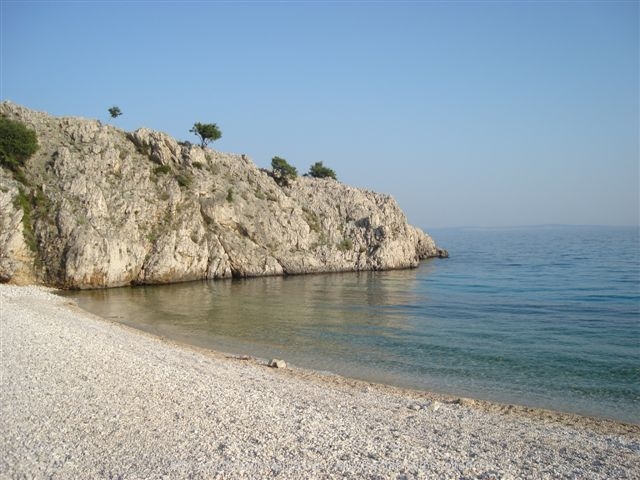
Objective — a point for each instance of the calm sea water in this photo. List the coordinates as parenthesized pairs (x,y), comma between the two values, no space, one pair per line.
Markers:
(545,317)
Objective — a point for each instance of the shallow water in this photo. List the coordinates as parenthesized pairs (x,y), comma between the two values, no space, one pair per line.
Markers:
(546,317)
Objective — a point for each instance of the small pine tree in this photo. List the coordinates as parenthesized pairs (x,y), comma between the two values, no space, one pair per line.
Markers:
(283,173)
(208,132)
(317,170)
(115,112)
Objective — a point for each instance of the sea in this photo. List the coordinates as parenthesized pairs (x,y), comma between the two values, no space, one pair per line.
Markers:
(545,316)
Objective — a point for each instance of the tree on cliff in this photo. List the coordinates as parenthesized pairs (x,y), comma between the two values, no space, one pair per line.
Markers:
(17,143)
(115,112)
(317,170)
(208,132)
(283,173)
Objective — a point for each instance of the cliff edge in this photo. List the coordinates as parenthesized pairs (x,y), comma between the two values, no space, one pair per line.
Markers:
(99,207)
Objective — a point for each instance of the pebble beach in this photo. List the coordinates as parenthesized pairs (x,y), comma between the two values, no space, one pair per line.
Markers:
(84,397)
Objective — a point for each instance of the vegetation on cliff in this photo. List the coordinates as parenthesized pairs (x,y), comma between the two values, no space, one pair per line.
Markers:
(208,132)
(108,208)
(115,111)
(283,173)
(318,170)
(17,143)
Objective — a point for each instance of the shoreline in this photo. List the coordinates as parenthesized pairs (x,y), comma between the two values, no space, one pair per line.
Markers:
(263,352)
(341,381)
(76,385)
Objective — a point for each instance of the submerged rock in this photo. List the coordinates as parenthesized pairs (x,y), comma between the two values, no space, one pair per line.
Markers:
(110,208)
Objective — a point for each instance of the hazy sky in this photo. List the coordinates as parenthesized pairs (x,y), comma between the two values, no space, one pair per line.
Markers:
(468,113)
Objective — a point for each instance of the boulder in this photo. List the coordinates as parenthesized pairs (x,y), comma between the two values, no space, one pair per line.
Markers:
(276,363)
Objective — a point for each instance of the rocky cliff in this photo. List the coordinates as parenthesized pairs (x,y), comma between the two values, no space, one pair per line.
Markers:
(99,207)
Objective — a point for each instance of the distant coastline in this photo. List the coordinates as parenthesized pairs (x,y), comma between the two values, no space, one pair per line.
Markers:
(533,227)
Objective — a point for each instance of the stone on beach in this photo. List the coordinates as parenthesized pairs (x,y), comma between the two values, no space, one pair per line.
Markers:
(276,363)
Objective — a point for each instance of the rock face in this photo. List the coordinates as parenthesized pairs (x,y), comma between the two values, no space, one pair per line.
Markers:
(99,207)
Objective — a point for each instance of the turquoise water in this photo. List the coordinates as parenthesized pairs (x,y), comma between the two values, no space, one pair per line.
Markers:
(546,317)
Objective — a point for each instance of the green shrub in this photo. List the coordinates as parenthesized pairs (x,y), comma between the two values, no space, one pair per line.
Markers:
(317,170)
(283,173)
(115,111)
(162,169)
(17,143)
(312,220)
(345,245)
(230,195)
(208,132)
(144,149)
(184,180)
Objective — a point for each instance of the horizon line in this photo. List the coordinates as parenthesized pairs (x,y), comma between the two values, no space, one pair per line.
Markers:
(532,225)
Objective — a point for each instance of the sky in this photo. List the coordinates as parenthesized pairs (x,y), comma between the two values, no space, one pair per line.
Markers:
(468,113)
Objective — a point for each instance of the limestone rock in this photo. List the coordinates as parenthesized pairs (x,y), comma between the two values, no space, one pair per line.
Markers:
(110,208)
(276,363)
(16,257)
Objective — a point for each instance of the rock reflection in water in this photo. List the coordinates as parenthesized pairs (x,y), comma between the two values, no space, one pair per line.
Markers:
(323,321)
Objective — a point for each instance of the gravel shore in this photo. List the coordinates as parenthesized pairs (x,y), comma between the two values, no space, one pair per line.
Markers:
(82,397)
